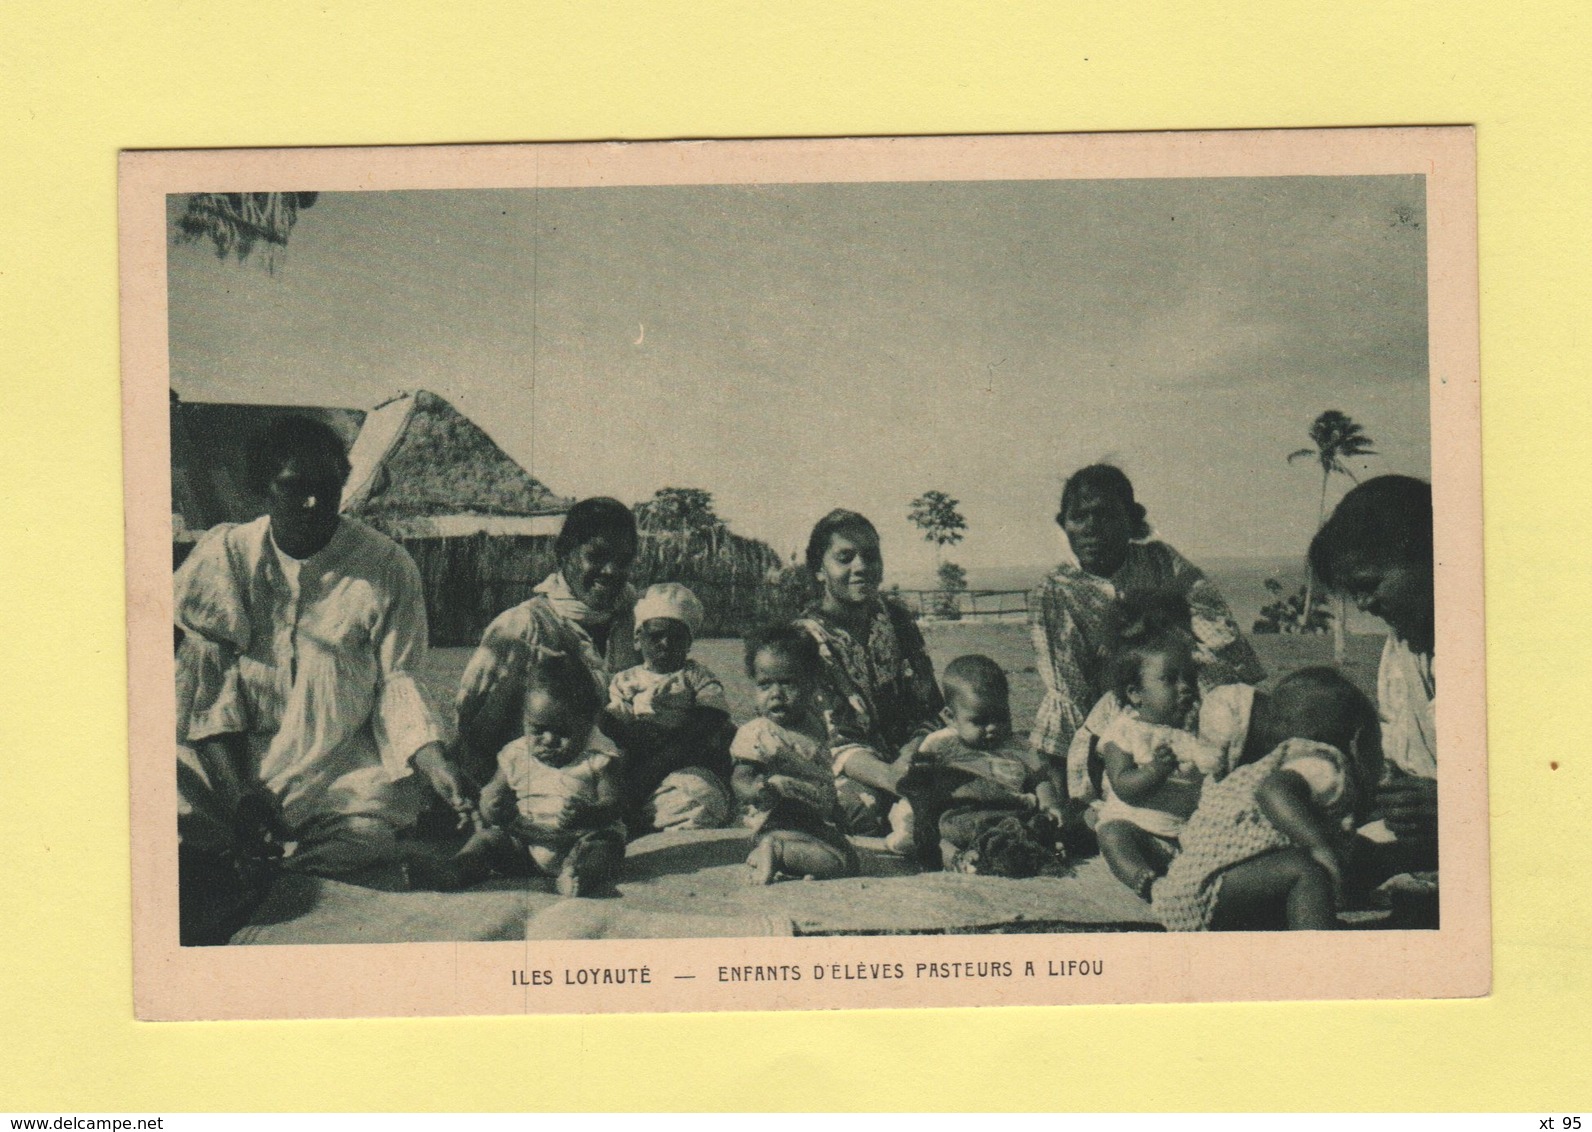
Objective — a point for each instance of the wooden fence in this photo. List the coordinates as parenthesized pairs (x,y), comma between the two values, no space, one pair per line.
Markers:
(965,605)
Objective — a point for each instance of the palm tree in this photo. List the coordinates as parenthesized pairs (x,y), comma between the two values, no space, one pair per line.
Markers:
(1337,437)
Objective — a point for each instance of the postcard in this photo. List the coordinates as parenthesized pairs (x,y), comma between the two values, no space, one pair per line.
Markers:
(804,574)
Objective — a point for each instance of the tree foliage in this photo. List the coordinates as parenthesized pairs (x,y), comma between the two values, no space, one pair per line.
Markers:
(237,224)
(684,509)
(1337,437)
(1286,613)
(935,514)
(947,602)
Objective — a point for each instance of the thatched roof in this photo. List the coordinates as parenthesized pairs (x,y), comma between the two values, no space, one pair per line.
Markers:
(420,467)
(419,457)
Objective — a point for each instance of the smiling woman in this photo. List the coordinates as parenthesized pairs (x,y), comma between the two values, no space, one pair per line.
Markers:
(1376,548)
(584,609)
(876,667)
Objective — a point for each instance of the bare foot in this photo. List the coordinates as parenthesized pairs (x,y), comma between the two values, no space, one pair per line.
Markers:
(764,862)
(588,870)
(568,882)
(966,862)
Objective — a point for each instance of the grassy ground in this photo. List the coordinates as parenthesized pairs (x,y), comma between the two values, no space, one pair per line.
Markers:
(1007,642)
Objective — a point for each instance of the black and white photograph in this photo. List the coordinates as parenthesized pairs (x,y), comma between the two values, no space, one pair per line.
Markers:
(786,577)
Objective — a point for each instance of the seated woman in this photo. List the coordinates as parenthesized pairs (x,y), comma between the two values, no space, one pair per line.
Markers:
(300,717)
(583,609)
(1376,549)
(877,674)
(1075,616)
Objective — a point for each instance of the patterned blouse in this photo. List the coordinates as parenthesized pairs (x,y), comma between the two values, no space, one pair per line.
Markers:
(1074,617)
(881,690)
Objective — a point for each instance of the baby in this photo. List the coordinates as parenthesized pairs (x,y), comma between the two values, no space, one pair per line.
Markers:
(552,808)
(980,799)
(668,712)
(783,773)
(1273,836)
(1154,768)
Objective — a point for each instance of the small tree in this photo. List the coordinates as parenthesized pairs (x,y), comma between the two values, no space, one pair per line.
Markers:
(1286,613)
(953,581)
(787,592)
(935,514)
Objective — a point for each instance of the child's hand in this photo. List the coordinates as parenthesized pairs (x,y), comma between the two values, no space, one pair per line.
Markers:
(574,813)
(1163,758)
(498,805)
(909,752)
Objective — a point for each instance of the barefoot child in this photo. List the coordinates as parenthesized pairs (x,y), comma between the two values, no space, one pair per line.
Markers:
(1154,768)
(783,770)
(668,714)
(1274,835)
(981,800)
(552,808)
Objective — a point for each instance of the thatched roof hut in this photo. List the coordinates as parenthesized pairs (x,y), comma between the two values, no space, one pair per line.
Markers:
(479,526)
(422,469)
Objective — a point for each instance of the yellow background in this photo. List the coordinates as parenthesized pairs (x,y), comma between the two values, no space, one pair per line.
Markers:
(80,81)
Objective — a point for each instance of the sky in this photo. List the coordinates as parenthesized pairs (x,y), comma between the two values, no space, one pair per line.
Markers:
(794,348)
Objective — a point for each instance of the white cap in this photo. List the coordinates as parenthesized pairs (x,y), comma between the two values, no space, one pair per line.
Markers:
(673,601)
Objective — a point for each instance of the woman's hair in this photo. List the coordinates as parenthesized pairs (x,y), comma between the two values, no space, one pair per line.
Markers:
(790,641)
(977,674)
(596,517)
(283,439)
(1152,624)
(1384,520)
(564,679)
(1108,480)
(837,521)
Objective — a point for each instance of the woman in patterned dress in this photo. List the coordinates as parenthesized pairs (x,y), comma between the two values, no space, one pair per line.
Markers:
(883,700)
(1075,618)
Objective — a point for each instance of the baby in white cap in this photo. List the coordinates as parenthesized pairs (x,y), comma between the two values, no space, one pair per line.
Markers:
(669,716)
(667,683)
